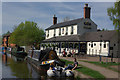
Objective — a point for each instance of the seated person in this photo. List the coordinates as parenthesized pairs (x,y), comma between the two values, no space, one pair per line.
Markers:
(73,66)
(51,67)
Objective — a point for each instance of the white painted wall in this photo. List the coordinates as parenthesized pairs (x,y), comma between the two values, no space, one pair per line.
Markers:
(95,50)
(57,32)
(51,31)
(75,29)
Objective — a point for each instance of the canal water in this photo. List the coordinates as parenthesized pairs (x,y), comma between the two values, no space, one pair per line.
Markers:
(19,68)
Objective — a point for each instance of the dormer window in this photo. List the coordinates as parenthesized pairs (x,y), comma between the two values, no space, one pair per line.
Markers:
(66,31)
(48,34)
(104,45)
(59,31)
(54,32)
(71,29)
(62,30)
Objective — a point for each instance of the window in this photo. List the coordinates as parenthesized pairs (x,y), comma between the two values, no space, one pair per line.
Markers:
(48,34)
(104,45)
(91,45)
(66,30)
(54,32)
(94,44)
(62,30)
(114,44)
(59,31)
(100,44)
(72,30)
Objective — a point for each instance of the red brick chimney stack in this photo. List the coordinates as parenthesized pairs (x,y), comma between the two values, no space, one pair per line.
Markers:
(54,20)
(87,11)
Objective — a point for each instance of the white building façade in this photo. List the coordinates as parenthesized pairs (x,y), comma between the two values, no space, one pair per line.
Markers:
(82,36)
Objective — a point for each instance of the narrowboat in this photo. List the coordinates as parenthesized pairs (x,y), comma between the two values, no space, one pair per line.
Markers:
(41,59)
(18,52)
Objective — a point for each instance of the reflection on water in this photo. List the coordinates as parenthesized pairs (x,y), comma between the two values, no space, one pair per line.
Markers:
(18,68)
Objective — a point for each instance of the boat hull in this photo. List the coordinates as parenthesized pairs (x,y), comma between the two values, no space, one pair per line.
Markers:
(19,54)
(37,65)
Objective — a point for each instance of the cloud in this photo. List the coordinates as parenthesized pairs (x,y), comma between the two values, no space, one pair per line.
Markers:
(42,13)
(14,13)
(99,14)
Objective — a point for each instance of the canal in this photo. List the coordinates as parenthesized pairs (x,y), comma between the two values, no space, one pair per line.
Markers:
(19,68)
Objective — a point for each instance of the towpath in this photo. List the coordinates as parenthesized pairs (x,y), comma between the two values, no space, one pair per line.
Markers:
(106,72)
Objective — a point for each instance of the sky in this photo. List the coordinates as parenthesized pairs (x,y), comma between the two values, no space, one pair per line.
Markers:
(13,13)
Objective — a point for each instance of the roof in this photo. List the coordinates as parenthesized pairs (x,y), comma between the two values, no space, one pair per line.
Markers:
(67,23)
(89,36)
(100,35)
(66,38)
(7,35)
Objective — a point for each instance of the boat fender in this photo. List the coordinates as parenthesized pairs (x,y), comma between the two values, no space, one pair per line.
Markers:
(69,73)
(51,73)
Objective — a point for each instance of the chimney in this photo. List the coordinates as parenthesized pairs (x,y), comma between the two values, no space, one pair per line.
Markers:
(87,11)
(54,20)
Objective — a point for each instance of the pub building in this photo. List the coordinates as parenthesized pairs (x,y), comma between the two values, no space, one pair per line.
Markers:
(81,35)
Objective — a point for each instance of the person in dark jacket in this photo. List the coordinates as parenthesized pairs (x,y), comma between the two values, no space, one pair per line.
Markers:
(73,66)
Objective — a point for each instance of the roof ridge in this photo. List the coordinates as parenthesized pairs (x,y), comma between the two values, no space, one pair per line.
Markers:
(70,22)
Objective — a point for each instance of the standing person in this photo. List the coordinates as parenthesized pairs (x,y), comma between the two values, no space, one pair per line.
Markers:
(73,66)
(73,53)
(68,53)
(64,53)
(5,53)
(32,48)
(3,48)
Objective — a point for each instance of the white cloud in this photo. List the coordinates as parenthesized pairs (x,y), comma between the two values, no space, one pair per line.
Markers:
(99,14)
(14,14)
(41,13)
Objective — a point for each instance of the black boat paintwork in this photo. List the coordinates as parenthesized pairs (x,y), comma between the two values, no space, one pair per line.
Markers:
(43,55)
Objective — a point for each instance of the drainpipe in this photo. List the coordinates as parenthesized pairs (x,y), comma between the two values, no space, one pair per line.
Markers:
(79,47)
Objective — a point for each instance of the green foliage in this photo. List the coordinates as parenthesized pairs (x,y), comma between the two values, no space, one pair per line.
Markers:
(0,39)
(26,34)
(114,13)
(104,29)
(7,33)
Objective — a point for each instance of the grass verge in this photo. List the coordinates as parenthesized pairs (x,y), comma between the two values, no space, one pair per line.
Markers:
(104,64)
(87,71)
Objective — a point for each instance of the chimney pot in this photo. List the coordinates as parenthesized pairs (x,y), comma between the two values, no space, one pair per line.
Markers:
(86,5)
(87,11)
(54,20)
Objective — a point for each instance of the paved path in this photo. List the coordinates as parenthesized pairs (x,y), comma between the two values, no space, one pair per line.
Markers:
(106,72)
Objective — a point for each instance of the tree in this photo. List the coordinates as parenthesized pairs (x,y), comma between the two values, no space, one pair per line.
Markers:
(104,29)
(114,13)
(0,39)
(7,33)
(26,34)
